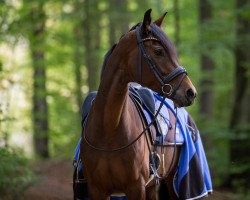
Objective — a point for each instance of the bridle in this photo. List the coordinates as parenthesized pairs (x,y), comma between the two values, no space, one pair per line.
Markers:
(163,79)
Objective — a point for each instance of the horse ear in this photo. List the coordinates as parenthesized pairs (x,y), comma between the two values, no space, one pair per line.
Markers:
(146,21)
(159,21)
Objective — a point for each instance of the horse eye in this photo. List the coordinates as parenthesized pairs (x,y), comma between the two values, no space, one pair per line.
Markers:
(159,52)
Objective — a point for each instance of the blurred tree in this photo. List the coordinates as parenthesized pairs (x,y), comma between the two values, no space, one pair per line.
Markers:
(176,22)
(206,87)
(37,34)
(123,20)
(118,24)
(79,31)
(112,23)
(240,118)
(207,64)
(92,40)
(78,52)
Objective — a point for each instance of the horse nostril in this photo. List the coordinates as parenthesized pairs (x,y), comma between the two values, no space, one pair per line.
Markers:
(191,94)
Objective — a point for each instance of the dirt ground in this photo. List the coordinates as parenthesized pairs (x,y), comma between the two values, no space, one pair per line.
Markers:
(55,183)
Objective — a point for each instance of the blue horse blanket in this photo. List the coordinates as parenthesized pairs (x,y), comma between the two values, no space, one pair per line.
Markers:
(192,179)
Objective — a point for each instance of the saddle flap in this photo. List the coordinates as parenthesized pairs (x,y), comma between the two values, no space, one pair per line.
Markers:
(87,105)
(147,99)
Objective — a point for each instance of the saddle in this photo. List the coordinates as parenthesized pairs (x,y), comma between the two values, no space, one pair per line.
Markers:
(145,101)
(164,123)
(87,105)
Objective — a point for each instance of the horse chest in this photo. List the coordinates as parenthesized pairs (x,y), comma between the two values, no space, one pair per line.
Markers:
(120,167)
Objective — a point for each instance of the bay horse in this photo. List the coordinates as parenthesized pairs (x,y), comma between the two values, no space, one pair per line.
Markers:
(144,55)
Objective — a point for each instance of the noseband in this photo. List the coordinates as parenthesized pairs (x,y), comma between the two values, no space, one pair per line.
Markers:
(164,80)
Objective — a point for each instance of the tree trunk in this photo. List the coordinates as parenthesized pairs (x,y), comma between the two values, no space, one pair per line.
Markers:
(206,81)
(207,65)
(40,107)
(240,118)
(92,43)
(123,19)
(176,23)
(118,23)
(78,54)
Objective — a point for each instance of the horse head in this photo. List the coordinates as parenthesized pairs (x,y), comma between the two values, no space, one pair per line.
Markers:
(156,62)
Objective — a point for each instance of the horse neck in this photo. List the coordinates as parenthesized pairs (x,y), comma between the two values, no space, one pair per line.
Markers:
(111,102)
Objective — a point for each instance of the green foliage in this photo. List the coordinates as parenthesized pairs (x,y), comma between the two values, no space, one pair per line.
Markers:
(15,173)
(218,156)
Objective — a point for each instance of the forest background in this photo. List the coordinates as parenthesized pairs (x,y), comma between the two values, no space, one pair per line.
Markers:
(51,52)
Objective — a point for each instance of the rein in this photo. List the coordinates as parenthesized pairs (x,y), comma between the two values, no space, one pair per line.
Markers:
(131,143)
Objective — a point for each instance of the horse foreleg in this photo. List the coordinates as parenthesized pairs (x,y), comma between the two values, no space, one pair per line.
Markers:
(166,190)
(151,193)
(95,194)
(136,192)
(170,187)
